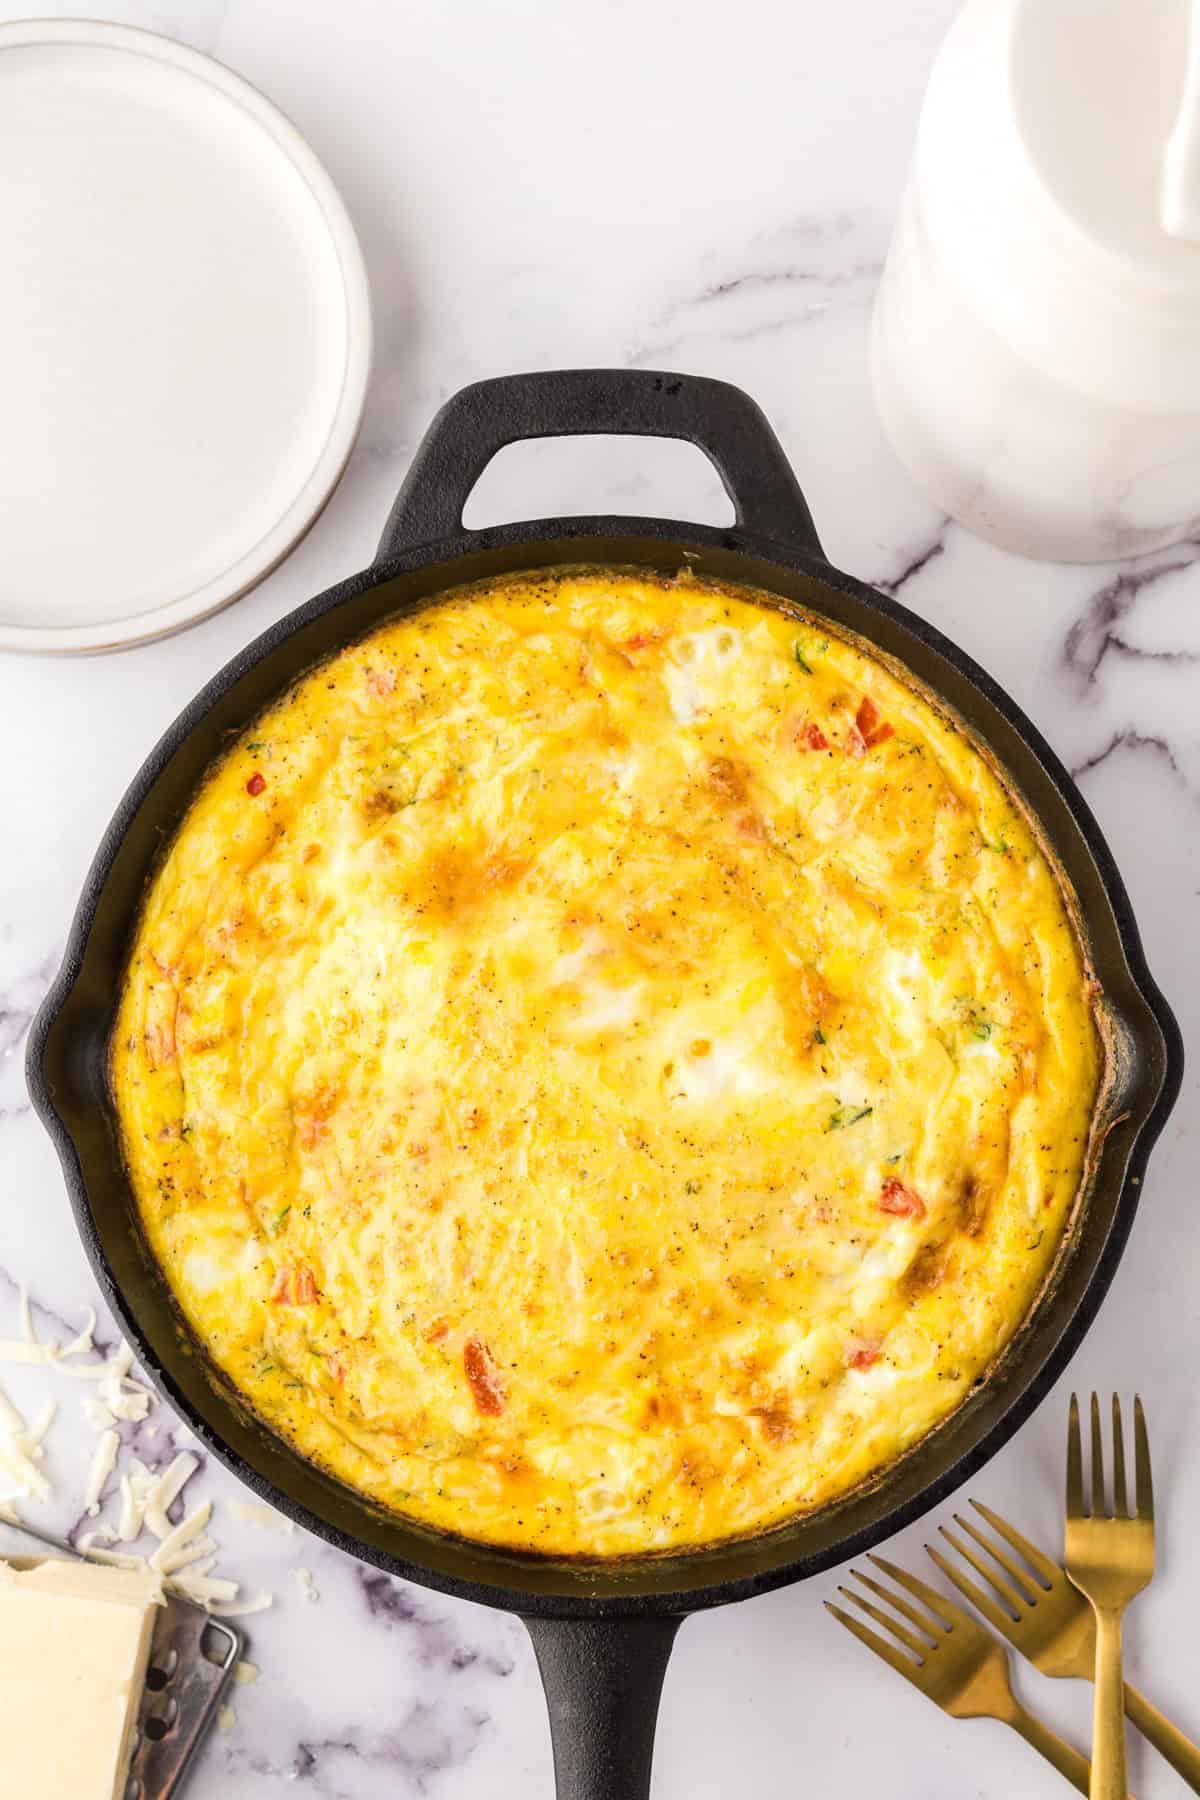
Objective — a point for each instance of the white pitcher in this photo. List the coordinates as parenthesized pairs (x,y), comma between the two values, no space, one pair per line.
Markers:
(1036,341)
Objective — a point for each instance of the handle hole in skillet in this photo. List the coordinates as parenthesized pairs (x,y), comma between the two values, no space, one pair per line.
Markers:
(549,478)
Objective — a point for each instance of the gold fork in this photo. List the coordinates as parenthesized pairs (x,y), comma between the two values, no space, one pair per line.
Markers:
(1048,1620)
(953,1661)
(1110,1558)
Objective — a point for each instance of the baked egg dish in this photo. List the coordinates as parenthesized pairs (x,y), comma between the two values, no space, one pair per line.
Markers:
(605,1064)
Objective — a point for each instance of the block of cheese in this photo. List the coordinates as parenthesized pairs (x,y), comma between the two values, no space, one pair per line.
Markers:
(74,1641)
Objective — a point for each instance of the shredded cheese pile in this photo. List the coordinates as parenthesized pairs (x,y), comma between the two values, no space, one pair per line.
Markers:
(184,1556)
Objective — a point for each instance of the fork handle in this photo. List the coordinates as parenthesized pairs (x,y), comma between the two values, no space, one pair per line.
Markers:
(1056,1750)
(1168,1740)
(1108,1718)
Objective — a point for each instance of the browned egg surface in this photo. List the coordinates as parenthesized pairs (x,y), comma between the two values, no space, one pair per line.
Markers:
(605,1065)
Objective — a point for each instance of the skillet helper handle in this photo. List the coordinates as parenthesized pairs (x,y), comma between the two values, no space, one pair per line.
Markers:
(482,419)
(603,1678)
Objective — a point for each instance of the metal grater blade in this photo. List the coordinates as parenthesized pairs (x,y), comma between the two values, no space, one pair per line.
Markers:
(191,1663)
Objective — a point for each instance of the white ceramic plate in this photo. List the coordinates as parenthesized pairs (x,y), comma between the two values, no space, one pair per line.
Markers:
(185,336)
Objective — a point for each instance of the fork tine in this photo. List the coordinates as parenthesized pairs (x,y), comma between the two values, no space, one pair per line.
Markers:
(1024,1584)
(874,1642)
(994,1614)
(1120,1501)
(900,1604)
(1074,1463)
(1011,1599)
(1099,1503)
(945,1612)
(1141,1458)
(889,1622)
(1037,1559)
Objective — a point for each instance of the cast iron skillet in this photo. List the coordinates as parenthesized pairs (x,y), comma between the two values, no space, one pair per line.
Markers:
(602,1632)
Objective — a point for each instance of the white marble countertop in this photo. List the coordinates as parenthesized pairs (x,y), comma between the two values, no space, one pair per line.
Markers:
(636,181)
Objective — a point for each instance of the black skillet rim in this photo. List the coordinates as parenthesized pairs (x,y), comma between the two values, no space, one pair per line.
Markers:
(592,540)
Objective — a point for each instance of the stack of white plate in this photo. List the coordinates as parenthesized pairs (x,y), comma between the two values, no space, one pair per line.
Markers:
(184,336)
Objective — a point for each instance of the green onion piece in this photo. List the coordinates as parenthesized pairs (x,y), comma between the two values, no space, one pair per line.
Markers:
(844,1117)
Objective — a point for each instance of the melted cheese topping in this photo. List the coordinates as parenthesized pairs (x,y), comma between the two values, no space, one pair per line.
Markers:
(605,1065)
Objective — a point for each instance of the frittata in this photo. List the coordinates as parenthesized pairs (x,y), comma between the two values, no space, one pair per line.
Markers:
(605,1064)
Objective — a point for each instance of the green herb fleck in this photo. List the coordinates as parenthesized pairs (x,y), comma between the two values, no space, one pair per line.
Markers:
(186,1128)
(691,1187)
(819,1036)
(800,657)
(257,745)
(982,1029)
(843,1117)
(280,1216)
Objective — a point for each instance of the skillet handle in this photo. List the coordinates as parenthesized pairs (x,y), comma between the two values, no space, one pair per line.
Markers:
(480,420)
(603,1678)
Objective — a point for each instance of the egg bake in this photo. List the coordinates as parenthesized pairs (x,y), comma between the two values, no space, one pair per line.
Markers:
(605,1064)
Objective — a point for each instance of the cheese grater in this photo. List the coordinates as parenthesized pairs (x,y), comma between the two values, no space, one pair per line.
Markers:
(191,1662)
(189,1668)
